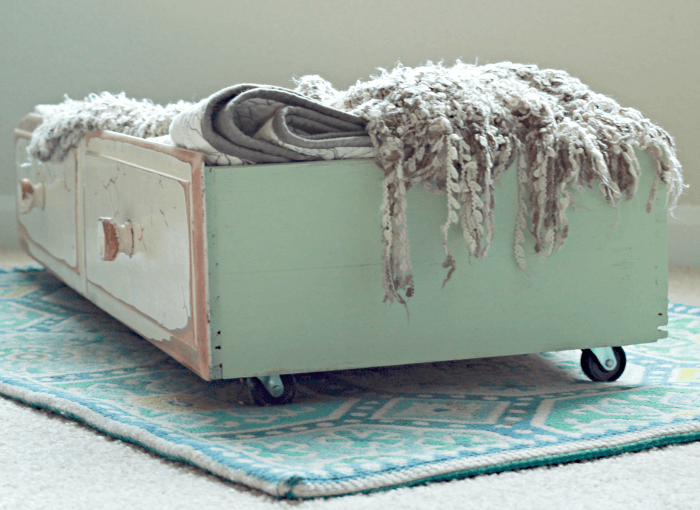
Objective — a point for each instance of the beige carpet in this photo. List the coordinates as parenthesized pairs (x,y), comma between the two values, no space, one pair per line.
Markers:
(47,461)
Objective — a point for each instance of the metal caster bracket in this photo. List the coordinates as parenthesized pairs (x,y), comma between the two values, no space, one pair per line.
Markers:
(606,357)
(273,384)
(271,389)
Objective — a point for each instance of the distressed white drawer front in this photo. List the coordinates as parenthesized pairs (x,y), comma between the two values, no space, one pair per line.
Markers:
(46,201)
(150,272)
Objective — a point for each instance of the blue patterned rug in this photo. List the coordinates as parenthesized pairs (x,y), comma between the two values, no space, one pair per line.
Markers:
(347,431)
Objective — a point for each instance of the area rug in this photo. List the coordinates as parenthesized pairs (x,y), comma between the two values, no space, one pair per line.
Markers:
(347,431)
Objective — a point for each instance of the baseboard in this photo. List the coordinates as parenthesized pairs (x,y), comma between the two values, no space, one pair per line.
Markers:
(683,231)
(684,235)
(8,222)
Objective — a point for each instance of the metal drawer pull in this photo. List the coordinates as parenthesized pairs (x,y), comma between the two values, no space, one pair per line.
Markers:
(113,238)
(30,196)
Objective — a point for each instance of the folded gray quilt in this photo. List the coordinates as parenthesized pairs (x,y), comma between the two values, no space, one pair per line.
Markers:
(267,124)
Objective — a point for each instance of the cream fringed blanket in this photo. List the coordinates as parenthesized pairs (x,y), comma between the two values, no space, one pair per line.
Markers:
(454,130)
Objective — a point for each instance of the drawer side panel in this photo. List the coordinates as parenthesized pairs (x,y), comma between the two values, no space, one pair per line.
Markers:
(295,273)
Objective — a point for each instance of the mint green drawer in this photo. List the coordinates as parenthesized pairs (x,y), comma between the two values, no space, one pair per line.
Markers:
(294,272)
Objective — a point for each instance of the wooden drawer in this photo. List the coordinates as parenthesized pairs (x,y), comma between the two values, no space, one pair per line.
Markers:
(144,259)
(276,269)
(47,201)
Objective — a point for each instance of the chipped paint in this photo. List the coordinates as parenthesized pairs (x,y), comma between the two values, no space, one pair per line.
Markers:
(153,195)
(47,201)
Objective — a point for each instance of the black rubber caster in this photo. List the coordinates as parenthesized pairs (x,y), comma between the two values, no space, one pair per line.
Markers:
(596,372)
(259,394)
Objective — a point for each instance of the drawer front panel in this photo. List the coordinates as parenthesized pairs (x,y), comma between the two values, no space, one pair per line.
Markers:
(46,201)
(150,269)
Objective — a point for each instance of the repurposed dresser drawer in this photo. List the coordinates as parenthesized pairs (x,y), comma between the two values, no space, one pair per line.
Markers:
(47,208)
(263,270)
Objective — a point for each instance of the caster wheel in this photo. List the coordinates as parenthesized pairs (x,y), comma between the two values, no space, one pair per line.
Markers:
(259,394)
(596,372)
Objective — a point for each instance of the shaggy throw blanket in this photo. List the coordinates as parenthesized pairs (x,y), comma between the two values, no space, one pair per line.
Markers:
(454,130)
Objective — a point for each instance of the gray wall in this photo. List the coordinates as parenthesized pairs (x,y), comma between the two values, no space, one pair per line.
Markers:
(641,52)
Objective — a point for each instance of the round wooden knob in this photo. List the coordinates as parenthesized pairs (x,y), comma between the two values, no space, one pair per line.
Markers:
(113,238)
(30,195)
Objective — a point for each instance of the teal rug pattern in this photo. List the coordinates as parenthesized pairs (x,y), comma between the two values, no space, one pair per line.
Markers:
(347,431)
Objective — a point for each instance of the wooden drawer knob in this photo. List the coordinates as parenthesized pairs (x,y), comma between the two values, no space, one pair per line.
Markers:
(113,238)
(30,195)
